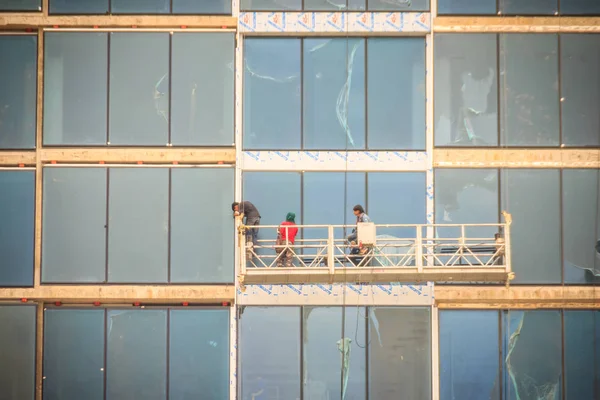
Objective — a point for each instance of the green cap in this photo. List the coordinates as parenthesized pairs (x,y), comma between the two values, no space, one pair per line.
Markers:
(290,217)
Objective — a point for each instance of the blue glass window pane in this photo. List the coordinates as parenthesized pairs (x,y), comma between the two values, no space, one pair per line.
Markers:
(334,94)
(334,5)
(466,7)
(275,330)
(18,97)
(399,353)
(532,354)
(136,354)
(400,5)
(199,354)
(202,229)
(17,210)
(17,346)
(529,7)
(73,354)
(201,7)
(138,224)
(531,111)
(272,93)
(271,5)
(397,198)
(469,355)
(140,6)
(582,347)
(466,90)
(580,89)
(73,229)
(202,98)
(533,195)
(580,225)
(75,89)
(396,93)
(78,6)
(20,5)
(579,7)
(139,88)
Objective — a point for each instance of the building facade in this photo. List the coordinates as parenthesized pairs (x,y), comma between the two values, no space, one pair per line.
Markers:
(127,129)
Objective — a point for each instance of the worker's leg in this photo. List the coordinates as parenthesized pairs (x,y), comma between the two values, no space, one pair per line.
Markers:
(289,258)
(251,222)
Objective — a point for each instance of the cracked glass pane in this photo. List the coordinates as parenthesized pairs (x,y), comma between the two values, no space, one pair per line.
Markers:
(18,80)
(580,89)
(271,5)
(529,7)
(396,93)
(201,7)
(334,94)
(529,102)
(399,5)
(334,5)
(140,6)
(579,7)
(20,5)
(466,7)
(75,90)
(139,88)
(78,7)
(466,87)
(582,354)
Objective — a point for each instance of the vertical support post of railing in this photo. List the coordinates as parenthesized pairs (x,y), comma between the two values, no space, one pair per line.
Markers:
(419,249)
(462,242)
(507,249)
(242,245)
(330,250)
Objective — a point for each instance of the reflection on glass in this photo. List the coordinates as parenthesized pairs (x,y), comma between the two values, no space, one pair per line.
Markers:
(271,5)
(580,89)
(530,103)
(17,206)
(396,93)
(201,7)
(138,224)
(274,331)
(74,354)
(75,90)
(199,354)
(272,92)
(140,6)
(202,98)
(17,346)
(20,5)
(469,359)
(139,88)
(73,229)
(399,353)
(18,80)
(334,5)
(466,90)
(78,7)
(136,354)
(580,224)
(532,343)
(533,195)
(529,7)
(582,348)
(398,5)
(579,7)
(466,7)
(334,94)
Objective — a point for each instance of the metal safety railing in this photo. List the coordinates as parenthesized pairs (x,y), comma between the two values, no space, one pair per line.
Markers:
(377,247)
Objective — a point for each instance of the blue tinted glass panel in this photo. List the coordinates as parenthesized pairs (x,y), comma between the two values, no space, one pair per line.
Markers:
(202,229)
(199,354)
(73,229)
(202,96)
(396,198)
(271,5)
(17,346)
(533,195)
(530,102)
(469,355)
(396,93)
(466,7)
(139,88)
(334,114)
(17,209)
(402,5)
(532,343)
(78,6)
(140,6)
(20,5)
(579,7)
(582,348)
(466,90)
(580,89)
(272,92)
(75,89)
(399,353)
(73,354)
(580,225)
(18,80)
(201,7)
(138,224)
(529,7)
(334,5)
(275,330)
(136,354)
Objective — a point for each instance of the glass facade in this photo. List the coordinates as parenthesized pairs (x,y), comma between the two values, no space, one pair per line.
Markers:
(516,7)
(132,7)
(337,5)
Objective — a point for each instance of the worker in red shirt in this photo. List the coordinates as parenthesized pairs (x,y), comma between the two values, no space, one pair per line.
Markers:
(286,235)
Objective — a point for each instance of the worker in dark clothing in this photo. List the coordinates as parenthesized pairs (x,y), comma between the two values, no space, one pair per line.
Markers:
(250,212)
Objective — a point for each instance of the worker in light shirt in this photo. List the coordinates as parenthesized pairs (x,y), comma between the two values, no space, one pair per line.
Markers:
(286,236)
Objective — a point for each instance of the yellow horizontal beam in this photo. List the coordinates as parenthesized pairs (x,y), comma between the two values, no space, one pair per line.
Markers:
(516,24)
(122,293)
(35,20)
(15,158)
(516,158)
